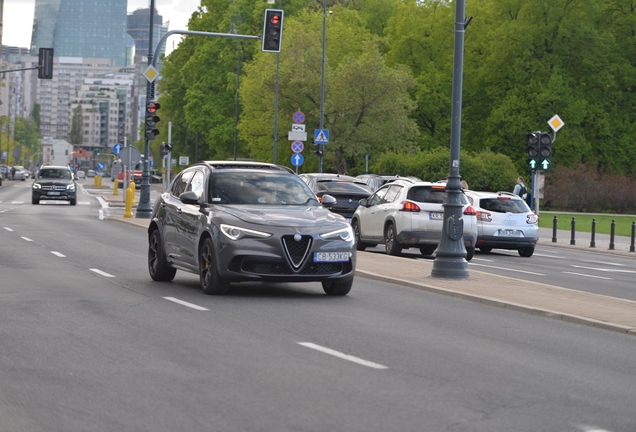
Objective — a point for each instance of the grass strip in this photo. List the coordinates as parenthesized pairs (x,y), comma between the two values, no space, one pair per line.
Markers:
(584,222)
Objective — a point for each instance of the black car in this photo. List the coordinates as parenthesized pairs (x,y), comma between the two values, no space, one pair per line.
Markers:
(234,221)
(54,183)
(347,190)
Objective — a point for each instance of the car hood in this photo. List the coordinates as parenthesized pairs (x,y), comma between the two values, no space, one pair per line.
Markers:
(287,216)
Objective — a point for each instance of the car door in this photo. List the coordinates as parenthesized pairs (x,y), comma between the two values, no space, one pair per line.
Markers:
(171,206)
(369,218)
(189,221)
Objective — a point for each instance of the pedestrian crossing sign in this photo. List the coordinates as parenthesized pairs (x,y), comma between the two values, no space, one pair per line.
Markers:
(321,136)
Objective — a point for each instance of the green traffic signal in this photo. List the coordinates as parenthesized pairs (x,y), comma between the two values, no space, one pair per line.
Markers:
(533,164)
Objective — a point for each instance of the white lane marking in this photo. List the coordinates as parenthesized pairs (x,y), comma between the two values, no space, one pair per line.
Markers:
(507,269)
(586,275)
(342,355)
(606,263)
(585,428)
(604,270)
(27,239)
(8,229)
(17,202)
(99,272)
(61,255)
(547,256)
(184,303)
(483,259)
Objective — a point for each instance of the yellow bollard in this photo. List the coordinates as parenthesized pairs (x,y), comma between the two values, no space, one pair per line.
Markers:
(116,187)
(99,182)
(95,180)
(133,187)
(129,200)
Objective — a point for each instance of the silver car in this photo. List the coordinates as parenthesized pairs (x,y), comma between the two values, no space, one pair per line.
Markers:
(406,214)
(504,221)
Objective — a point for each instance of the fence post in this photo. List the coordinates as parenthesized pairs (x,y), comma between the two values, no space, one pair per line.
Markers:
(554,229)
(572,240)
(592,242)
(612,231)
(631,246)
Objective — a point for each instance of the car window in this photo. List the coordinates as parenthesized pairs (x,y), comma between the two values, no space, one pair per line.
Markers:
(427,194)
(257,188)
(181,183)
(378,197)
(342,187)
(504,205)
(392,193)
(54,174)
(196,184)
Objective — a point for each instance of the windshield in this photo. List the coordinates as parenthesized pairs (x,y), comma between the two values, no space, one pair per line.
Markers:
(250,187)
(55,174)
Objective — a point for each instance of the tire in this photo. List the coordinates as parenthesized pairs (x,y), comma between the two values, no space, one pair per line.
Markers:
(73,201)
(526,252)
(470,253)
(35,201)
(485,249)
(390,241)
(336,288)
(427,249)
(211,282)
(158,266)
(361,246)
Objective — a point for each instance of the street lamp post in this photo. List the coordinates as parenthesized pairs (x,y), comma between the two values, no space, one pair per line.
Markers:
(450,255)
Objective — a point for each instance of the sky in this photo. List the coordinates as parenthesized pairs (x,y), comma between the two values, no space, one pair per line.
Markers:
(18,19)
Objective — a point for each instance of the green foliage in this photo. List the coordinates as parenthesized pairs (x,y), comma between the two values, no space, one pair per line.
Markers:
(76,135)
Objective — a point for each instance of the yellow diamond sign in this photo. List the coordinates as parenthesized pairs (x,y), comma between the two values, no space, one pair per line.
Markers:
(151,73)
(556,123)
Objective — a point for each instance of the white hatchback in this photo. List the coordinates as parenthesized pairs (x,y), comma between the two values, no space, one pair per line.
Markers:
(409,214)
(504,221)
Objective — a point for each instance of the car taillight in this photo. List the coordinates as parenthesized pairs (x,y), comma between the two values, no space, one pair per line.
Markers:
(532,219)
(483,216)
(409,206)
(470,211)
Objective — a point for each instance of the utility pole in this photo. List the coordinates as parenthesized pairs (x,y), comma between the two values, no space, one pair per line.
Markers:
(322,85)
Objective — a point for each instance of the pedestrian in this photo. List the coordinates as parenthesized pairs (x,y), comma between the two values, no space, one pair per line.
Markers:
(12,173)
(520,189)
(464,185)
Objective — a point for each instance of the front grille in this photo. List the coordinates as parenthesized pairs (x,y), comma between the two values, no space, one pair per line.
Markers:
(321,268)
(296,251)
(54,187)
(265,266)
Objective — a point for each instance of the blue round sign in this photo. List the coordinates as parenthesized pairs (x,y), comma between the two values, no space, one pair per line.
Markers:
(101,165)
(297,146)
(297,159)
(298,117)
(117,148)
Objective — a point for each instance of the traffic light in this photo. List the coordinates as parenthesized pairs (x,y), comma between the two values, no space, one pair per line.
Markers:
(99,152)
(533,148)
(151,120)
(545,153)
(318,151)
(272,30)
(165,149)
(45,63)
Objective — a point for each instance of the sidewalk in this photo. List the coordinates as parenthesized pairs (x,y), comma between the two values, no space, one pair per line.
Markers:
(549,301)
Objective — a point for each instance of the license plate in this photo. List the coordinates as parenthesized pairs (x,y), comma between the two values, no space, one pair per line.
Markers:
(52,193)
(331,256)
(509,233)
(436,216)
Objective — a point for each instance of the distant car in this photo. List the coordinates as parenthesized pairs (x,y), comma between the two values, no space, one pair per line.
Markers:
(374,181)
(231,221)
(54,183)
(406,214)
(80,174)
(20,173)
(345,189)
(155,176)
(90,173)
(504,221)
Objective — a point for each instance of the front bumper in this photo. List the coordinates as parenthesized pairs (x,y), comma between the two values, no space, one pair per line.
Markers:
(54,195)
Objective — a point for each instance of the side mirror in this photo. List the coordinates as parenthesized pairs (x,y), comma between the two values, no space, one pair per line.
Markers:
(363,202)
(189,197)
(328,201)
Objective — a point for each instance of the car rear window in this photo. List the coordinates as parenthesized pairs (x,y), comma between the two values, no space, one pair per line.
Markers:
(504,205)
(428,194)
(342,187)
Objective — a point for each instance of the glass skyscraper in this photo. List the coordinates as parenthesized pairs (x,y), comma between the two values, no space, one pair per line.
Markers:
(138,29)
(81,28)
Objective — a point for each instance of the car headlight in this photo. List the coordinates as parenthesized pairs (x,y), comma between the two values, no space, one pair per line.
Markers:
(37,186)
(236,233)
(345,234)
(70,187)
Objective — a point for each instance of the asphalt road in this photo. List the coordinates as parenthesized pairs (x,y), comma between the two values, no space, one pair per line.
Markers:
(89,342)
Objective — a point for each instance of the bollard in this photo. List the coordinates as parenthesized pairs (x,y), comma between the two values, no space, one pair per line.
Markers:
(132,186)
(592,242)
(632,248)
(129,200)
(554,229)
(612,231)
(572,240)
(95,180)
(99,182)
(116,187)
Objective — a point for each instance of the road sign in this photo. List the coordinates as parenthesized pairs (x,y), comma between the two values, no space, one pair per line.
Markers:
(297,159)
(321,136)
(556,123)
(298,117)
(151,73)
(117,148)
(130,155)
(297,136)
(298,128)
(297,146)
(101,165)
(184,160)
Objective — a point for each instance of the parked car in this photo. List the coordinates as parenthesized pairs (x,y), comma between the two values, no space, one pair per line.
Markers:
(54,183)
(404,214)
(504,221)
(374,181)
(345,189)
(230,221)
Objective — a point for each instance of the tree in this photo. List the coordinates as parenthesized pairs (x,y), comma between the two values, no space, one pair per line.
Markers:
(76,137)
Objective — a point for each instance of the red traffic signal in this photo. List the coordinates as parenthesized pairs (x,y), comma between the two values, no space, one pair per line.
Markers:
(152,107)
(272,30)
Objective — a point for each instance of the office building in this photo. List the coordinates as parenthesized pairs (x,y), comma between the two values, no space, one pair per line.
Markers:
(81,28)
(138,29)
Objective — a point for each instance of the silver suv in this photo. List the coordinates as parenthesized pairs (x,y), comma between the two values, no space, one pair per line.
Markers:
(405,214)
(504,221)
